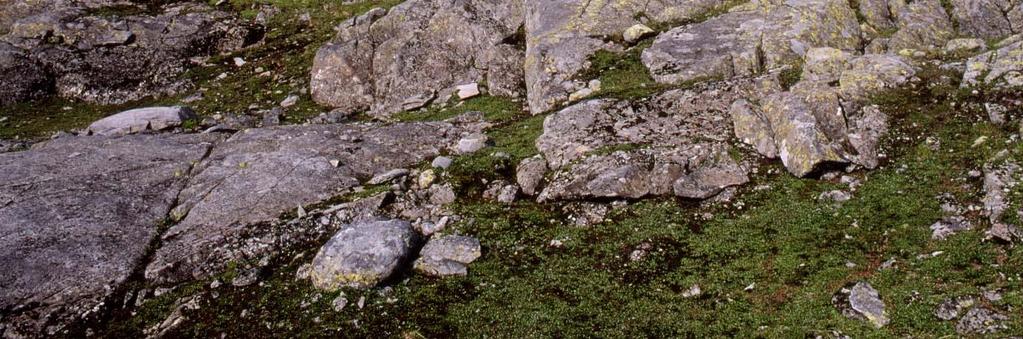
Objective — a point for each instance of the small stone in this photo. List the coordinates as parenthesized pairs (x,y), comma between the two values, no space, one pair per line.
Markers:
(339,303)
(426,178)
(861,301)
(388,176)
(950,308)
(468,91)
(835,196)
(239,62)
(693,291)
(948,226)
(362,302)
(448,255)
(507,194)
(472,143)
(530,174)
(637,32)
(289,101)
(981,320)
(441,162)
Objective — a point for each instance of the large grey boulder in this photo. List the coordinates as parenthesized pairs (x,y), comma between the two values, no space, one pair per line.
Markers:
(448,255)
(363,255)
(673,144)
(140,120)
(258,174)
(561,35)
(1002,67)
(747,42)
(383,61)
(77,214)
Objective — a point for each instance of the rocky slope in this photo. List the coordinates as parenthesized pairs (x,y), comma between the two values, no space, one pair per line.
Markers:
(428,168)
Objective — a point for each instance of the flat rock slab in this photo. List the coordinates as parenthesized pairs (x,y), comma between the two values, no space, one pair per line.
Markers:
(258,174)
(76,216)
(140,120)
(448,255)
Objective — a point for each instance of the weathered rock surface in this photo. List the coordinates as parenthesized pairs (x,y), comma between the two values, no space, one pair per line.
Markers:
(561,35)
(448,255)
(530,175)
(112,59)
(748,42)
(923,25)
(981,320)
(1000,67)
(363,255)
(673,143)
(77,214)
(383,61)
(984,19)
(21,78)
(817,123)
(998,182)
(862,301)
(140,120)
(258,174)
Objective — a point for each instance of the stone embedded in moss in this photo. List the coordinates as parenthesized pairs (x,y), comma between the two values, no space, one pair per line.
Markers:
(363,254)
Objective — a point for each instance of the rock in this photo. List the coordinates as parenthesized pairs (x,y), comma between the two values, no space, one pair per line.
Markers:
(472,143)
(636,33)
(964,46)
(21,78)
(388,176)
(468,91)
(140,120)
(743,43)
(693,291)
(561,35)
(448,255)
(363,254)
(803,144)
(835,196)
(291,100)
(73,234)
(380,61)
(948,226)
(951,308)
(507,194)
(998,181)
(112,59)
(677,137)
(923,25)
(441,162)
(258,174)
(861,301)
(981,320)
(753,128)
(825,64)
(984,19)
(1002,67)
(878,14)
(530,174)
(584,213)
(339,303)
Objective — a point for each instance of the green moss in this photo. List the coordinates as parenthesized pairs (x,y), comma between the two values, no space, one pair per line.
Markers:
(621,75)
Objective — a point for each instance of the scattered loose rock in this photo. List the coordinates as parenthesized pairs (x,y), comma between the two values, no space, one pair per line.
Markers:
(861,301)
(142,119)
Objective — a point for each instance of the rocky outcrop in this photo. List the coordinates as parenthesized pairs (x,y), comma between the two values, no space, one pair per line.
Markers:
(748,42)
(140,120)
(73,234)
(984,19)
(389,61)
(258,174)
(21,78)
(922,25)
(111,59)
(817,123)
(363,254)
(561,35)
(672,144)
(1002,67)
